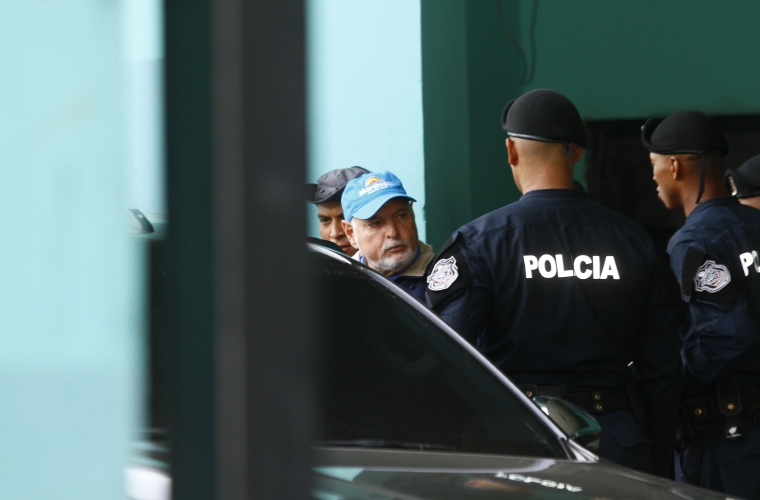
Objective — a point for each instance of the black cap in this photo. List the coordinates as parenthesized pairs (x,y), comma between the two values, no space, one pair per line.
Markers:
(744,182)
(329,186)
(544,115)
(685,132)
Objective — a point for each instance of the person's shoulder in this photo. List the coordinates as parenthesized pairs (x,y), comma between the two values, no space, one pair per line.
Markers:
(602,216)
(495,221)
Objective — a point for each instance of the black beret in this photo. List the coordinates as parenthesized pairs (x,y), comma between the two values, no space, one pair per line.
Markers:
(544,115)
(744,182)
(685,132)
(329,186)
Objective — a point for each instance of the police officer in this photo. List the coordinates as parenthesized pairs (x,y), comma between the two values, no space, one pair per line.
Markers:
(744,182)
(715,258)
(562,294)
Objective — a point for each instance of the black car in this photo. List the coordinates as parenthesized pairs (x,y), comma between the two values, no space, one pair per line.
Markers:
(410,410)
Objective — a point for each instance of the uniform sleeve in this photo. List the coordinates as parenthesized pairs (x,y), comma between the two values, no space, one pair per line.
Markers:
(452,294)
(721,327)
(657,363)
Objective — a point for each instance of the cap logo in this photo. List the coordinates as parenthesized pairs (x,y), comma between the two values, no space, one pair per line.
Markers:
(373,184)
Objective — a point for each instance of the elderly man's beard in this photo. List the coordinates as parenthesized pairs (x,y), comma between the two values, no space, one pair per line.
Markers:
(397,262)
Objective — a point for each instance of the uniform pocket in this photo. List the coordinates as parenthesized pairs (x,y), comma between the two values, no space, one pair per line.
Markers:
(625,429)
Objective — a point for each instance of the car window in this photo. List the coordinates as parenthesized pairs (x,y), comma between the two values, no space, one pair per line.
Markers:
(391,376)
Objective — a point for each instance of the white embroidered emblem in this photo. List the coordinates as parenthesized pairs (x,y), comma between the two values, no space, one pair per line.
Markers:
(711,277)
(444,273)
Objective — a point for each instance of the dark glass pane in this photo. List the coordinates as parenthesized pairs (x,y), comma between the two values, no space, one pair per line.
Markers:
(391,374)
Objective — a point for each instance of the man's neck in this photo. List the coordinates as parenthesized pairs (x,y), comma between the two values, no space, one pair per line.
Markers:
(711,191)
(536,184)
(390,274)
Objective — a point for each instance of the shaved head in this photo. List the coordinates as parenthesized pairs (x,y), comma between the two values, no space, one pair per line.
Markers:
(542,165)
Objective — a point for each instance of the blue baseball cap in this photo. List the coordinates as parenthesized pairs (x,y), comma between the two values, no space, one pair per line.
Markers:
(365,195)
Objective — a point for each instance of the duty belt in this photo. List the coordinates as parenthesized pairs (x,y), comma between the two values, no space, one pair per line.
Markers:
(594,401)
(701,408)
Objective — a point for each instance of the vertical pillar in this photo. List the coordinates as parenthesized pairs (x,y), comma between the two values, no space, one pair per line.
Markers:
(243,410)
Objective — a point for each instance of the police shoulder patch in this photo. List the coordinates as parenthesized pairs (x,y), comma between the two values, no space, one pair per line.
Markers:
(450,273)
(444,273)
(711,277)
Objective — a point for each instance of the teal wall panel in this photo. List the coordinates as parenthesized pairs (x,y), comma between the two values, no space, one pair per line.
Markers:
(470,70)
(446,114)
(649,57)
(69,275)
(614,59)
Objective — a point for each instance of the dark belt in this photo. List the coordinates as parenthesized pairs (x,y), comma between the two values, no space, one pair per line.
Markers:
(594,401)
(702,409)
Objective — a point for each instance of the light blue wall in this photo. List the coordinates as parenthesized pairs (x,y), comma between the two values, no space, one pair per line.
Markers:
(69,288)
(365,91)
(143,51)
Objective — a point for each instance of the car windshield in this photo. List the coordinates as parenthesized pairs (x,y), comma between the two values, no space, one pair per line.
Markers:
(391,377)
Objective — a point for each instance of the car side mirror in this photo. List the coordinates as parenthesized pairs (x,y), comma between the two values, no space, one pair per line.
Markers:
(577,424)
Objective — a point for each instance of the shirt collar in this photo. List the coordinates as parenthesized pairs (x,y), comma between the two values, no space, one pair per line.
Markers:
(554,193)
(416,256)
(417,268)
(713,202)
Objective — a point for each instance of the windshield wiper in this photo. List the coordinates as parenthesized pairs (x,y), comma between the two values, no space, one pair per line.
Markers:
(384,443)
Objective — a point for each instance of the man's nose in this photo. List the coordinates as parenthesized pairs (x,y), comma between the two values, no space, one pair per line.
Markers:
(336,229)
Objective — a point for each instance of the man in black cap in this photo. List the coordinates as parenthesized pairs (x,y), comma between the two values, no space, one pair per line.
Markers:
(715,258)
(563,294)
(325,194)
(744,182)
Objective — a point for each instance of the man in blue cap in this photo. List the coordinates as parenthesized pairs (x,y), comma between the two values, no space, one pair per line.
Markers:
(715,258)
(379,222)
(566,297)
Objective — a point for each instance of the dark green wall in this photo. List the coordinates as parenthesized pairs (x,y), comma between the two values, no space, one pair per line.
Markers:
(470,70)
(650,57)
(614,59)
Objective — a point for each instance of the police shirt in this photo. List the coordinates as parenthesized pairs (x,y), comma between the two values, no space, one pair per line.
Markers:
(558,289)
(715,257)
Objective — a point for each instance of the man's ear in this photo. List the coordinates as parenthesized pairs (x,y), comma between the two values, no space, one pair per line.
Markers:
(578,154)
(511,151)
(676,167)
(349,230)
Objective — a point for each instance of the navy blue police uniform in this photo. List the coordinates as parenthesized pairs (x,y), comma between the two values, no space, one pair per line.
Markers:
(715,258)
(573,300)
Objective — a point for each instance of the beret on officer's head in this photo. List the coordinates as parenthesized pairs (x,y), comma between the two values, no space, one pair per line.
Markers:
(544,115)
(744,182)
(685,132)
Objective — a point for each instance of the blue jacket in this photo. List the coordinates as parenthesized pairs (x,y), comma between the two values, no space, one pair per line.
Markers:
(556,289)
(715,257)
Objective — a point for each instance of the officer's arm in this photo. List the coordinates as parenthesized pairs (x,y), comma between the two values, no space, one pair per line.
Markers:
(453,294)
(657,363)
(721,326)
(717,335)
(466,311)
